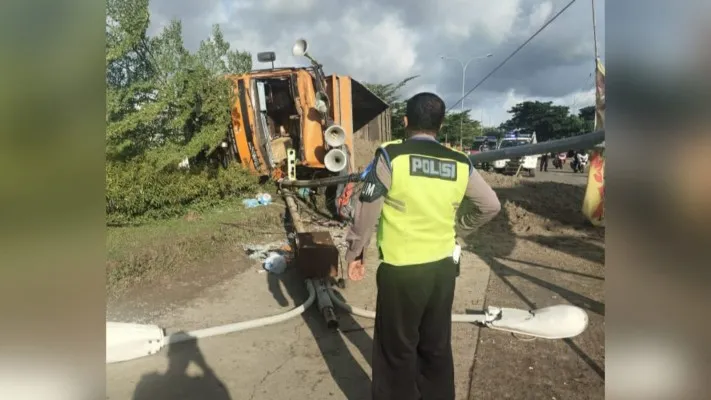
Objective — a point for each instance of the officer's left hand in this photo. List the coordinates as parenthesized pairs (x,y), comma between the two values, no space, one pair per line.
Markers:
(356,270)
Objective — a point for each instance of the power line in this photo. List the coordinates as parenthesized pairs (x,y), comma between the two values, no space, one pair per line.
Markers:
(512,54)
(589,84)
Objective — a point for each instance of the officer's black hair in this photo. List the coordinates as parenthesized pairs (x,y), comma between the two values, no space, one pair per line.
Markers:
(425,112)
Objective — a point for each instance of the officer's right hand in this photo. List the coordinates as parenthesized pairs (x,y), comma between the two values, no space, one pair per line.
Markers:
(356,270)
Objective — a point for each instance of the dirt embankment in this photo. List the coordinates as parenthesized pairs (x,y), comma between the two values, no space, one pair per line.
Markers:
(541,206)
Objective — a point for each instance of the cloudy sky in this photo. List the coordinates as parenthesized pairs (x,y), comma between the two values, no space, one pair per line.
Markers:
(387,40)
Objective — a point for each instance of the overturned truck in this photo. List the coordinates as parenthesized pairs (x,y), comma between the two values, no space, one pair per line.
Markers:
(298,123)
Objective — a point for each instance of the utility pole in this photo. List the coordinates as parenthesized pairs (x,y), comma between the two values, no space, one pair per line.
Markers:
(594,32)
(464,78)
(596,72)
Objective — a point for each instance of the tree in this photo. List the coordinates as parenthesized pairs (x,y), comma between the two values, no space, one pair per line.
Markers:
(459,123)
(129,78)
(548,121)
(587,116)
(390,94)
(164,103)
(216,56)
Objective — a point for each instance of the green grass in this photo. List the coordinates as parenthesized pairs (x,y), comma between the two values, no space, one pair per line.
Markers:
(142,254)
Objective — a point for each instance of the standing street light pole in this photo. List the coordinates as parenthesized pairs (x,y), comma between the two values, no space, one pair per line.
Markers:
(464,77)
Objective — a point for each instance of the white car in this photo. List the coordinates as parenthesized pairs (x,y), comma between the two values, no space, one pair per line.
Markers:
(526,163)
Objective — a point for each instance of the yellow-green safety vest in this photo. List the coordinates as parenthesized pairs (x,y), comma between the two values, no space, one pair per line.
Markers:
(429,180)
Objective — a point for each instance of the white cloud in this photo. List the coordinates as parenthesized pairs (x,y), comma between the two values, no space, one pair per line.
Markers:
(540,15)
(384,51)
(219,14)
(281,6)
(387,40)
(491,19)
(375,47)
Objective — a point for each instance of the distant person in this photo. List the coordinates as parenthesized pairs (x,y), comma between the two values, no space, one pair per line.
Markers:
(544,162)
(410,190)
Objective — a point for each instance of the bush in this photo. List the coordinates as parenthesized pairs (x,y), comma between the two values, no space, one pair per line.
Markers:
(138,191)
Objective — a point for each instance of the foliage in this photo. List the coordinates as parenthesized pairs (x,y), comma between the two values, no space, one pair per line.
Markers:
(390,93)
(587,115)
(164,103)
(454,123)
(397,122)
(547,120)
(216,56)
(459,124)
(136,192)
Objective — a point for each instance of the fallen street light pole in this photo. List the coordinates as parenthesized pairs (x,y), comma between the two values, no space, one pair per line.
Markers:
(584,141)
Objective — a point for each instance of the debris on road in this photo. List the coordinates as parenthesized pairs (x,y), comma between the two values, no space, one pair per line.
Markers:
(275,263)
(262,199)
(260,252)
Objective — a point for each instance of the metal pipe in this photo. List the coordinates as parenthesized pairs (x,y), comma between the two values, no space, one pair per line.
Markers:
(313,183)
(325,306)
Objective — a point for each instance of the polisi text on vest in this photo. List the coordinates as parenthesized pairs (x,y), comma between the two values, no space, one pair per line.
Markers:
(433,168)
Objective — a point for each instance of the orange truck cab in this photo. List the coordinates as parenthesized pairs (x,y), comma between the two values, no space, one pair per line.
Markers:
(279,110)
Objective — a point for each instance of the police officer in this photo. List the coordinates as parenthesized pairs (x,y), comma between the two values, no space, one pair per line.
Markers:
(412,191)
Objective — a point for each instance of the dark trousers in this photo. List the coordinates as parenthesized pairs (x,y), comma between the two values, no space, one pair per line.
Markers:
(412,342)
(544,163)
